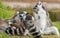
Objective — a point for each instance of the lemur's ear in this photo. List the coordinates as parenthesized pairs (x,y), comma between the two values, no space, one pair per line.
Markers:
(17,12)
(25,12)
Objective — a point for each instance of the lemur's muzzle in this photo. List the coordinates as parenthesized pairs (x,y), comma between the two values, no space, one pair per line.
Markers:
(35,9)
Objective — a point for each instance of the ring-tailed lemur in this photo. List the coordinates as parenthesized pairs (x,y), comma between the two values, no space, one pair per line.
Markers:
(27,19)
(29,25)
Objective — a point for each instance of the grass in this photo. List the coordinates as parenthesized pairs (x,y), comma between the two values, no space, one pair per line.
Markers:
(6,13)
(3,35)
(57,24)
(5,10)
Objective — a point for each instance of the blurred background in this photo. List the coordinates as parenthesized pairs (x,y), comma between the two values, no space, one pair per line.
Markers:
(9,7)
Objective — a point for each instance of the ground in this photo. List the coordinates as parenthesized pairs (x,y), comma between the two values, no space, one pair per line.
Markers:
(50,36)
(4,35)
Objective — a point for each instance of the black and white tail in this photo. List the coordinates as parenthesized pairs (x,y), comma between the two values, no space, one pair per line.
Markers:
(15,31)
(31,27)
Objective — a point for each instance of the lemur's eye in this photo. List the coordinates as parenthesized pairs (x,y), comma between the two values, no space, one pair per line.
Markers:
(36,6)
(20,15)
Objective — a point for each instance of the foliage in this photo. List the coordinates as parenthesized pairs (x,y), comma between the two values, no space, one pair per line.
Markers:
(3,35)
(53,13)
(57,24)
(29,10)
(5,10)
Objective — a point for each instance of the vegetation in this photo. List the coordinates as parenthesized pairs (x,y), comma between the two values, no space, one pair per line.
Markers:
(53,13)
(4,35)
(5,10)
(57,24)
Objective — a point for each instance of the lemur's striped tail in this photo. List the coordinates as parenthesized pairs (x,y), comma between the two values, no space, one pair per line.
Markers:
(32,29)
(15,31)
(33,32)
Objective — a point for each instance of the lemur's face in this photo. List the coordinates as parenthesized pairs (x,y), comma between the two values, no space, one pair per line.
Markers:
(22,14)
(37,6)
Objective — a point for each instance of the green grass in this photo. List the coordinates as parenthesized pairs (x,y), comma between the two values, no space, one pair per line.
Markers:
(57,24)
(6,13)
(3,35)
(5,10)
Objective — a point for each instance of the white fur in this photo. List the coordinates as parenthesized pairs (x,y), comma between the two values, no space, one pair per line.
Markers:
(9,22)
(25,12)
(41,23)
(52,29)
(26,32)
(17,12)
